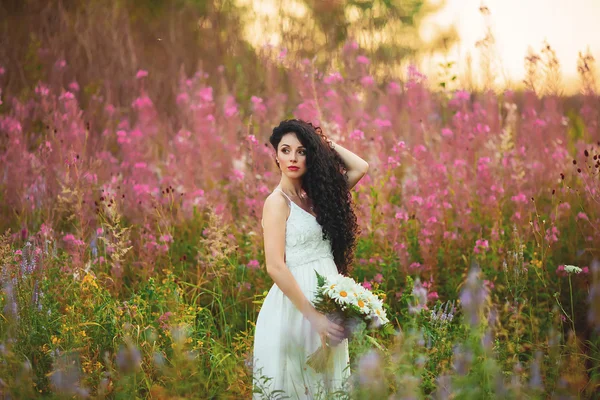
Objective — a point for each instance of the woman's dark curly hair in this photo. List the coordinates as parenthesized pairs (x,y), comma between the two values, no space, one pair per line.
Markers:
(325,184)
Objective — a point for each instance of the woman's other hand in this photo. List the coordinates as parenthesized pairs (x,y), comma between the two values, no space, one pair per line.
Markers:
(326,329)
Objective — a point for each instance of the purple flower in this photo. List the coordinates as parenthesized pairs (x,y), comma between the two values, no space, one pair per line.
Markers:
(419,302)
(129,359)
(370,371)
(66,374)
(473,297)
(462,360)
(535,381)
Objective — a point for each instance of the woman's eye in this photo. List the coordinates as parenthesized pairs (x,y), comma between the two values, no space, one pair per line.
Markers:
(285,151)
(302,152)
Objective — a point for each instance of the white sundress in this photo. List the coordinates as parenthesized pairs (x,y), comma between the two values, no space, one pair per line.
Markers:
(283,338)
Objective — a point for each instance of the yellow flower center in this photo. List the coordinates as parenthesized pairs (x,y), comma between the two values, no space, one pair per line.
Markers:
(332,286)
(361,303)
(343,293)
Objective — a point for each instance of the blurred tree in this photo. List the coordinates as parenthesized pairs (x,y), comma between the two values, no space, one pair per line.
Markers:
(388,31)
(104,43)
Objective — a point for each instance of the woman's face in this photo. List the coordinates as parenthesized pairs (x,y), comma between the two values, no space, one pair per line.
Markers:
(292,156)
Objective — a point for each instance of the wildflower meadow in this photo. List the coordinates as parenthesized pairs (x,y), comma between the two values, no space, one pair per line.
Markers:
(131,249)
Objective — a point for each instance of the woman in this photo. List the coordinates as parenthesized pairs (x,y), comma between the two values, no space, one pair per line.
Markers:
(309,225)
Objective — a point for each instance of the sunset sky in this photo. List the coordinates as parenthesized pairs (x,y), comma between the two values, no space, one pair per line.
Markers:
(569,26)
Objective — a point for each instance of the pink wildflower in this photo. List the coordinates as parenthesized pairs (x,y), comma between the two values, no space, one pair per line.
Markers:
(462,95)
(582,215)
(206,94)
(253,264)
(74,86)
(367,81)
(238,175)
(230,106)
(552,234)
(403,215)
(252,139)
(258,105)
(357,134)
(394,88)
(383,123)
(165,316)
(333,78)
(488,284)
(399,146)
(352,45)
(585,270)
(414,265)
(182,98)
(67,96)
(520,198)
(416,200)
(263,189)
(166,238)
(433,296)
(362,60)
(141,74)
(480,246)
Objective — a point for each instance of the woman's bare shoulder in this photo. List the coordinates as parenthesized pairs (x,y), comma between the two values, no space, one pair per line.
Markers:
(276,209)
(275,202)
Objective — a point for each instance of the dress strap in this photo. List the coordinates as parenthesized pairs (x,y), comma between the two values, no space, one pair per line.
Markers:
(286,196)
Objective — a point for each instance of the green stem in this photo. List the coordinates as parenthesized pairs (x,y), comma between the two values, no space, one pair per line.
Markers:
(572,313)
(563,310)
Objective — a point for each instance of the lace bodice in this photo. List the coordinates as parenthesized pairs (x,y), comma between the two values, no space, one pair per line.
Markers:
(303,237)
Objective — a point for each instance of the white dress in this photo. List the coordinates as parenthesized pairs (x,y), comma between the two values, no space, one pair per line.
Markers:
(283,337)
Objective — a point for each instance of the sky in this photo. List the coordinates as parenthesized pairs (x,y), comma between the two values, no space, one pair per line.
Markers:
(569,26)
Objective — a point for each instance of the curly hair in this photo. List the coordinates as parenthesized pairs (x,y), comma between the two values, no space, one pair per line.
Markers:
(326,185)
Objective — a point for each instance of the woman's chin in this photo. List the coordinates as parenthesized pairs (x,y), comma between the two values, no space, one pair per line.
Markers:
(294,174)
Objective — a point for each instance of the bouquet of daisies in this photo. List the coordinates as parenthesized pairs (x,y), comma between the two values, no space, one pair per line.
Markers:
(348,304)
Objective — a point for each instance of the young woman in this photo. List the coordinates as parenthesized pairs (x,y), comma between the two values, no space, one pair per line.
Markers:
(308,225)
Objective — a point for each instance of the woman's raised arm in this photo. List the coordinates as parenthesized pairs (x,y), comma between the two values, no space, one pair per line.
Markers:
(356,167)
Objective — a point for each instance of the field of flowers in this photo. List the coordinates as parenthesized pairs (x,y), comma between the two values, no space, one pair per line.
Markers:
(131,247)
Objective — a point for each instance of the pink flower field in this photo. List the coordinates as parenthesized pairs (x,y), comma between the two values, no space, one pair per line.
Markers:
(132,258)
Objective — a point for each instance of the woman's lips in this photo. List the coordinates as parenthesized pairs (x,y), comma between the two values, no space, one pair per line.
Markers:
(293,168)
